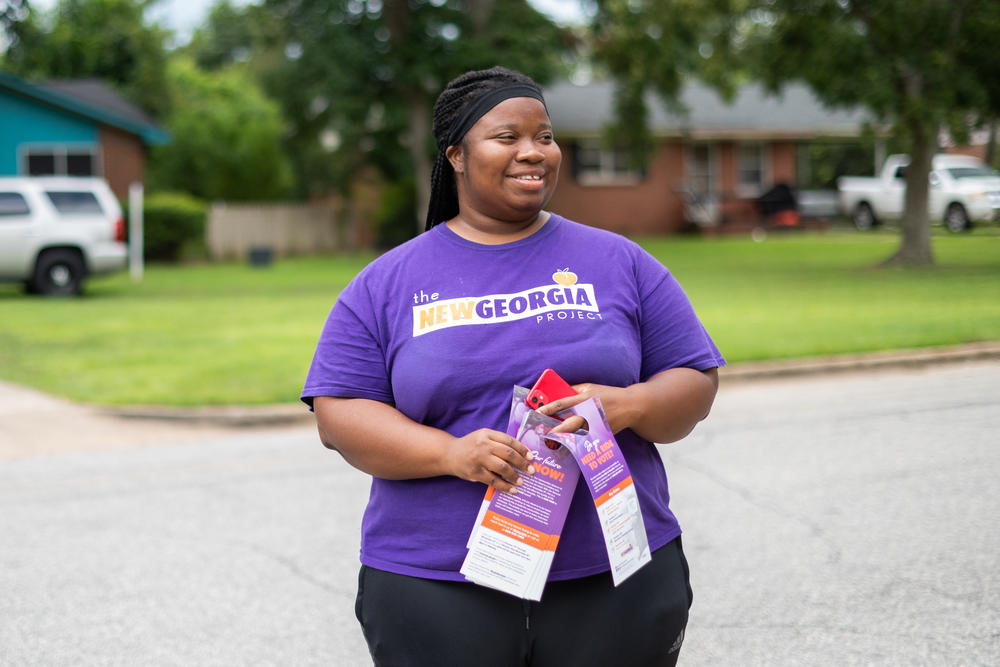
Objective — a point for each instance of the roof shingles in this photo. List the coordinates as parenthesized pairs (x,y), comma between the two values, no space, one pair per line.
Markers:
(795,112)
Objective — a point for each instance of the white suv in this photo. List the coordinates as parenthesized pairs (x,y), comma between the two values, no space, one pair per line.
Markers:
(55,231)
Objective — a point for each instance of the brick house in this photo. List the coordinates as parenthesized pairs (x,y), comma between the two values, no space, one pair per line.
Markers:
(717,157)
(77,127)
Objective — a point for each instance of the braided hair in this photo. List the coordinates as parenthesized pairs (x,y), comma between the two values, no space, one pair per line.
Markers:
(452,121)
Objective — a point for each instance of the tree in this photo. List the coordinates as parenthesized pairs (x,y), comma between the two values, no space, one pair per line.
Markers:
(231,34)
(976,54)
(900,59)
(107,39)
(12,12)
(357,80)
(655,46)
(226,137)
(15,15)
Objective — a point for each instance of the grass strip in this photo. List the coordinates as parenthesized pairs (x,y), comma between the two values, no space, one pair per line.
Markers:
(230,333)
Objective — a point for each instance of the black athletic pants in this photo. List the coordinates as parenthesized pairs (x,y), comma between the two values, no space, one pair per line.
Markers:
(587,621)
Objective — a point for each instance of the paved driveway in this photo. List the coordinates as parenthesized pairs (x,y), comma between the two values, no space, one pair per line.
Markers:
(833,520)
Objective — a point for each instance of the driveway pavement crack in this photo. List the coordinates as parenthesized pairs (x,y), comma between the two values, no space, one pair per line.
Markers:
(815,529)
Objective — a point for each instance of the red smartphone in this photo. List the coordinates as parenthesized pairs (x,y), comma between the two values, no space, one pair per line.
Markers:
(549,387)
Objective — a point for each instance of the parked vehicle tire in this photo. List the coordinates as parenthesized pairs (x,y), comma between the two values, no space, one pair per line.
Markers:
(864,217)
(59,273)
(956,219)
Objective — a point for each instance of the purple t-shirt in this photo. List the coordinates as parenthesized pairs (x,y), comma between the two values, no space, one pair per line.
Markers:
(443,328)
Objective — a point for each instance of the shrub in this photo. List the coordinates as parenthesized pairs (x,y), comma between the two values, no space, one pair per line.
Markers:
(171,222)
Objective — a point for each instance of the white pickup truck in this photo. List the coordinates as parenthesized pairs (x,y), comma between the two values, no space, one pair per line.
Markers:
(962,189)
(56,231)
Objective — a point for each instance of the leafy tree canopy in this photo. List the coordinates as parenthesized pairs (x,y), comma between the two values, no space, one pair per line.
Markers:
(656,45)
(227,137)
(899,59)
(12,12)
(902,59)
(107,39)
(15,19)
(232,34)
(918,64)
(356,79)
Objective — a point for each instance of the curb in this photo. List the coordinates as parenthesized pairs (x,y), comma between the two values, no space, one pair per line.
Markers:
(289,414)
(846,363)
(237,416)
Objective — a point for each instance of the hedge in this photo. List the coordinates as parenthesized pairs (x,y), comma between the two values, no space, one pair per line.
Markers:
(171,222)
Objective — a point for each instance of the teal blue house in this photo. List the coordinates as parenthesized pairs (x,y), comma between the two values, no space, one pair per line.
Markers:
(77,127)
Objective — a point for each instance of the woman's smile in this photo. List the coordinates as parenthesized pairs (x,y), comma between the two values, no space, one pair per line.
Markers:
(530,181)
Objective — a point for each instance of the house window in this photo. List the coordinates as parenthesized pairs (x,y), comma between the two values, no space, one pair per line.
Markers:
(597,165)
(60,161)
(41,164)
(79,164)
(701,168)
(751,169)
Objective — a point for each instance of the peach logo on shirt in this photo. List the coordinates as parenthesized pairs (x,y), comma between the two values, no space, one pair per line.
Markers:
(564,277)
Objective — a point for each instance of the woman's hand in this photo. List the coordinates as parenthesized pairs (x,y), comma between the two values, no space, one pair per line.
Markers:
(380,440)
(664,408)
(614,400)
(490,457)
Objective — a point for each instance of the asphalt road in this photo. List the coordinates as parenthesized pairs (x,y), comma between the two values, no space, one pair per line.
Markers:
(832,520)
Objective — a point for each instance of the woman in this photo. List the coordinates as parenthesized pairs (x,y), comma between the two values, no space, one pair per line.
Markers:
(412,378)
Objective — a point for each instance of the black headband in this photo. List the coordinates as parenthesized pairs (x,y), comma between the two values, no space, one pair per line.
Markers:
(478,108)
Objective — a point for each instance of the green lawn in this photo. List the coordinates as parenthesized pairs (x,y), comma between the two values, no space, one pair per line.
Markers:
(800,296)
(233,334)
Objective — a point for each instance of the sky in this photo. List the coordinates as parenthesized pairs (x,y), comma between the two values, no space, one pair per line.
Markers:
(183,16)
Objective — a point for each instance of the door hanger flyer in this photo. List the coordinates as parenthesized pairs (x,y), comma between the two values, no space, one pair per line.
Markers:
(606,472)
(515,537)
